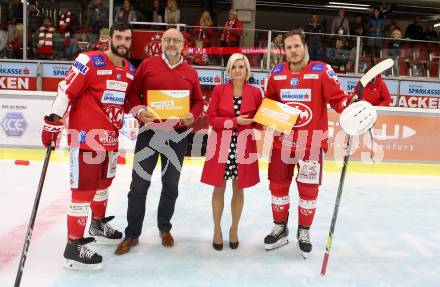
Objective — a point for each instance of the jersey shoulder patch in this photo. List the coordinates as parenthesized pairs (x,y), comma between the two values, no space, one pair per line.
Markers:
(98,61)
(131,68)
(317,67)
(277,69)
(80,63)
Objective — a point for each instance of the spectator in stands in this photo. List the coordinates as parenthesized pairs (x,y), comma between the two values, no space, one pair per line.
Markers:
(82,41)
(197,55)
(104,40)
(232,31)
(14,48)
(46,33)
(66,27)
(415,30)
(340,24)
(203,30)
(96,17)
(275,56)
(375,30)
(34,17)
(314,41)
(172,13)
(15,12)
(338,56)
(3,39)
(350,66)
(390,28)
(431,34)
(125,14)
(394,50)
(157,14)
(376,92)
(358,26)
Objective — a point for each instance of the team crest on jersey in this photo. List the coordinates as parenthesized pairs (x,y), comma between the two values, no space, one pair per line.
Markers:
(277,69)
(294,82)
(317,67)
(305,116)
(98,61)
(118,76)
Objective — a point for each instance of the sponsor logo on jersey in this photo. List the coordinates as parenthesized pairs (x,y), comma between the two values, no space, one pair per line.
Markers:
(80,67)
(82,136)
(118,76)
(98,61)
(305,116)
(113,97)
(131,68)
(277,69)
(104,72)
(280,77)
(294,82)
(130,76)
(311,76)
(300,95)
(116,85)
(317,67)
(332,74)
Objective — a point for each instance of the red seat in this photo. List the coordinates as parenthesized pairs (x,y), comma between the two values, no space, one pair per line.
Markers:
(420,52)
(433,68)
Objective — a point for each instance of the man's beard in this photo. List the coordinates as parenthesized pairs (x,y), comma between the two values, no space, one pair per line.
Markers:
(116,51)
(172,53)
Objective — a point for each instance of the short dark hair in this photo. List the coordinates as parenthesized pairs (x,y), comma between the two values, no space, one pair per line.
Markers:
(120,27)
(299,32)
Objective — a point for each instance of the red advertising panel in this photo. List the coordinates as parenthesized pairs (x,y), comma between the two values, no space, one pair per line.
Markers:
(145,43)
(18,76)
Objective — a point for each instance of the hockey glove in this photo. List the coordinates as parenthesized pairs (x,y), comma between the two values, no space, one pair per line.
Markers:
(51,130)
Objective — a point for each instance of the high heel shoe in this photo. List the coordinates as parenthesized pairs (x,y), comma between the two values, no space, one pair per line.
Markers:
(218,246)
(232,245)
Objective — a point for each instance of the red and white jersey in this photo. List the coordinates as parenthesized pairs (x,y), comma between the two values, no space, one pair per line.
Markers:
(308,90)
(95,90)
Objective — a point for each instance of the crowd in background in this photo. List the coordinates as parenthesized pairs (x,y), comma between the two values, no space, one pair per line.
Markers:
(61,30)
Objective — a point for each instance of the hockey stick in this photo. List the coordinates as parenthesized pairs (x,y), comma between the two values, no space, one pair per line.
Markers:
(371,74)
(27,240)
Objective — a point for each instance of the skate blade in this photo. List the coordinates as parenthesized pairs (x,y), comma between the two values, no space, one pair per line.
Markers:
(303,254)
(105,241)
(78,266)
(283,241)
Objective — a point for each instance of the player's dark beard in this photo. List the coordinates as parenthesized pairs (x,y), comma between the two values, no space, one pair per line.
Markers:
(116,51)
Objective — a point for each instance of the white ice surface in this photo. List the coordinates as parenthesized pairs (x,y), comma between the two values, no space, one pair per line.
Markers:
(387,234)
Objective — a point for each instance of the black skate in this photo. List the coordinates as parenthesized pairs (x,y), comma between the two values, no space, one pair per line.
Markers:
(304,245)
(79,257)
(103,232)
(278,236)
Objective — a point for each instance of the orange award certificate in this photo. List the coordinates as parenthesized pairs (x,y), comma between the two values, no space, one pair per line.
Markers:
(276,115)
(168,103)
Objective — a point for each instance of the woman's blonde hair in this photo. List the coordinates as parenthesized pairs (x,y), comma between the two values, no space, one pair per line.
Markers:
(205,19)
(231,61)
(173,5)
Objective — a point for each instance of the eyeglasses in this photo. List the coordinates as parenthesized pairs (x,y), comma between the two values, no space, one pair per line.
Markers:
(175,40)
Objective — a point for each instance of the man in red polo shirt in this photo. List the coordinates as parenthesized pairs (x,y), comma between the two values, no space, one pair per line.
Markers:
(165,139)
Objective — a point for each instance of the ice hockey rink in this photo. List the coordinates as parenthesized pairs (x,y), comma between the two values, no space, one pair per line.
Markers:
(387,233)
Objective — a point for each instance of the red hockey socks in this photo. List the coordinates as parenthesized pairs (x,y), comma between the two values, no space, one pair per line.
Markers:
(78,212)
(308,193)
(99,204)
(280,200)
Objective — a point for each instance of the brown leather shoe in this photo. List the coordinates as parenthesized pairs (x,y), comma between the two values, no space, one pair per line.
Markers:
(126,245)
(167,238)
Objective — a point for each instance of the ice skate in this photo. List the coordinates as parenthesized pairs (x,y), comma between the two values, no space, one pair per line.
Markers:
(304,245)
(79,257)
(103,232)
(277,237)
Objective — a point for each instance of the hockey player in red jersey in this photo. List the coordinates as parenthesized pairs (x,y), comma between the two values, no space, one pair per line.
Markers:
(307,86)
(93,95)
